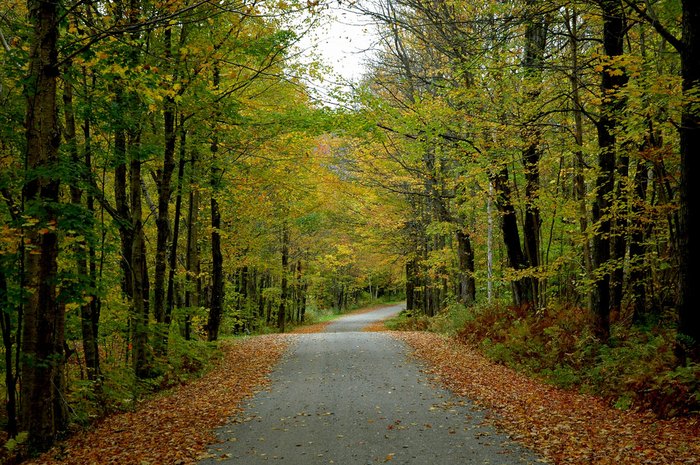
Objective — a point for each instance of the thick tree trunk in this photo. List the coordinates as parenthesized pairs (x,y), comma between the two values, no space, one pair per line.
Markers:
(689,232)
(44,322)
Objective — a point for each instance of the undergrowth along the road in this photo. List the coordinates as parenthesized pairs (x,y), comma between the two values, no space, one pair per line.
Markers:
(565,427)
(176,427)
(636,370)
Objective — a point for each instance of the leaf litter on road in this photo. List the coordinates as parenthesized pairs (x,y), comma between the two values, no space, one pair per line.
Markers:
(175,428)
(563,426)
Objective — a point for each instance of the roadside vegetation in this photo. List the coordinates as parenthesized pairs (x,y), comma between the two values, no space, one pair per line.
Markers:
(636,370)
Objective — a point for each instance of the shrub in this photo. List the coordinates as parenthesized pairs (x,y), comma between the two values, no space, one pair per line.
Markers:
(636,369)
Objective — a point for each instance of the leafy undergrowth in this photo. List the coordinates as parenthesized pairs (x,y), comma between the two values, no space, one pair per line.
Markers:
(637,369)
(563,426)
(175,428)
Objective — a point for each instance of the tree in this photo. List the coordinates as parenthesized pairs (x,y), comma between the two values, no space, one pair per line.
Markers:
(688,47)
(43,412)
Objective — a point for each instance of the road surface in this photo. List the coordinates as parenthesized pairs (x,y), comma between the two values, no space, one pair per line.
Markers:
(349,397)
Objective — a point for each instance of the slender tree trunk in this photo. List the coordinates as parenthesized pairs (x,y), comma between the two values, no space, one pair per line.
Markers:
(579,183)
(121,199)
(612,80)
(140,294)
(282,313)
(44,322)
(172,259)
(163,217)
(192,255)
(8,344)
(535,42)
(522,288)
(299,292)
(83,252)
(217,295)
(638,273)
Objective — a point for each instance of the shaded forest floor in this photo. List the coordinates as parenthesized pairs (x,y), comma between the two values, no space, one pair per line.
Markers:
(565,427)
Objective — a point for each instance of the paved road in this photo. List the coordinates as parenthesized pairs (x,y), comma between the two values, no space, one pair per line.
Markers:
(348,397)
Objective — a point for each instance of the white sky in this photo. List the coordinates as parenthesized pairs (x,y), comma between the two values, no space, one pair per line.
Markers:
(343,40)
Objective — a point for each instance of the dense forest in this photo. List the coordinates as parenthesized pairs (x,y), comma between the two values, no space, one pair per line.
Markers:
(519,171)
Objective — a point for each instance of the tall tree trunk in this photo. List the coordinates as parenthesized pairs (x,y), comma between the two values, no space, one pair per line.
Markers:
(140,289)
(282,313)
(44,322)
(217,260)
(535,42)
(121,199)
(163,216)
(82,251)
(638,272)
(688,243)
(611,108)
(172,259)
(192,298)
(579,183)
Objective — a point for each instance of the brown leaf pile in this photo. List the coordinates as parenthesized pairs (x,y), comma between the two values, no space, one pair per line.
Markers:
(563,426)
(312,328)
(176,428)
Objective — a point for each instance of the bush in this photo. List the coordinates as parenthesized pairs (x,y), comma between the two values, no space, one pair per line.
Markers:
(636,369)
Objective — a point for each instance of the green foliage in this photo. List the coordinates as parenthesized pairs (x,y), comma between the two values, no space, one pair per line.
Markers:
(636,369)
(12,444)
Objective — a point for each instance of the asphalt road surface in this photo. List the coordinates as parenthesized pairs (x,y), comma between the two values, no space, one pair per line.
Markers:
(349,397)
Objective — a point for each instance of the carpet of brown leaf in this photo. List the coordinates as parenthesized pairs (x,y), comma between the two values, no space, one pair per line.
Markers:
(175,428)
(565,427)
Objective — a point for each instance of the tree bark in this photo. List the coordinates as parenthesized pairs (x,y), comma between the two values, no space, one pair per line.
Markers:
(282,313)
(163,217)
(172,259)
(522,287)
(43,340)
(192,268)
(217,263)
(88,320)
(689,187)
(535,42)
(614,25)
